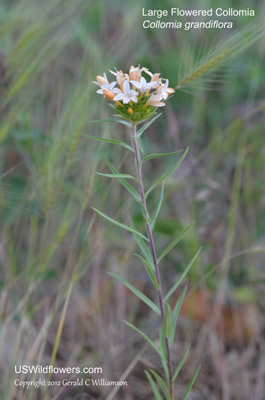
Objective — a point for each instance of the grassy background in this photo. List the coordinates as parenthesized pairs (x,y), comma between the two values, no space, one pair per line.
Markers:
(57,303)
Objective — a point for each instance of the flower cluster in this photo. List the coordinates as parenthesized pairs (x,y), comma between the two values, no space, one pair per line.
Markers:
(135,98)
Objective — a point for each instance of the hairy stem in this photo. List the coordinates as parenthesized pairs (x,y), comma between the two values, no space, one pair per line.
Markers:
(153,250)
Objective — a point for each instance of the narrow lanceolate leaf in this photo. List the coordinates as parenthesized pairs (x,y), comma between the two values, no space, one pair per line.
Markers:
(126,227)
(137,293)
(162,384)
(174,242)
(178,369)
(154,387)
(175,315)
(167,174)
(140,144)
(144,336)
(123,176)
(144,249)
(112,141)
(162,343)
(145,126)
(165,367)
(99,121)
(167,320)
(164,354)
(123,182)
(157,209)
(150,271)
(158,155)
(145,214)
(172,290)
(193,379)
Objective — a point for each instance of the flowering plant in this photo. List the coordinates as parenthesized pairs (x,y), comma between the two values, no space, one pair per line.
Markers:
(135,100)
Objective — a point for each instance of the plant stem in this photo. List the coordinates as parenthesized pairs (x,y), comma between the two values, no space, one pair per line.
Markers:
(153,250)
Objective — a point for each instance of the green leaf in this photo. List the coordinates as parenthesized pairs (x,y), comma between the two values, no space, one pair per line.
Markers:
(140,144)
(112,141)
(120,224)
(144,336)
(99,121)
(174,242)
(158,155)
(125,184)
(123,176)
(137,293)
(145,126)
(175,316)
(172,290)
(191,383)
(150,271)
(181,363)
(167,174)
(162,343)
(157,209)
(145,214)
(167,320)
(153,385)
(144,249)
(164,354)
(162,384)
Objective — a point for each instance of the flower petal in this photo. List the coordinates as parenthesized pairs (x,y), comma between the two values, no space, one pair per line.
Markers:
(136,84)
(119,96)
(126,87)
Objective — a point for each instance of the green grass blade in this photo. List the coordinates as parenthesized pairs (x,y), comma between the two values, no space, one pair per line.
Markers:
(191,383)
(175,315)
(178,369)
(145,126)
(167,174)
(123,176)
(137,293)
(122,181)
(158,207)
(158,155)
(172,290)
(162,384)
(153,385)
(150,271)
(99,121)
(112,141)
(126,227)
(144,336)
(174,242)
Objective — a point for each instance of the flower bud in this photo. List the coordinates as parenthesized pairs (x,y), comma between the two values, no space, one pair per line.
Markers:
(102,80)
(108,94)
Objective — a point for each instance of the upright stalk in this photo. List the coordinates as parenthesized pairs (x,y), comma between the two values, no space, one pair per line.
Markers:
(152,248)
